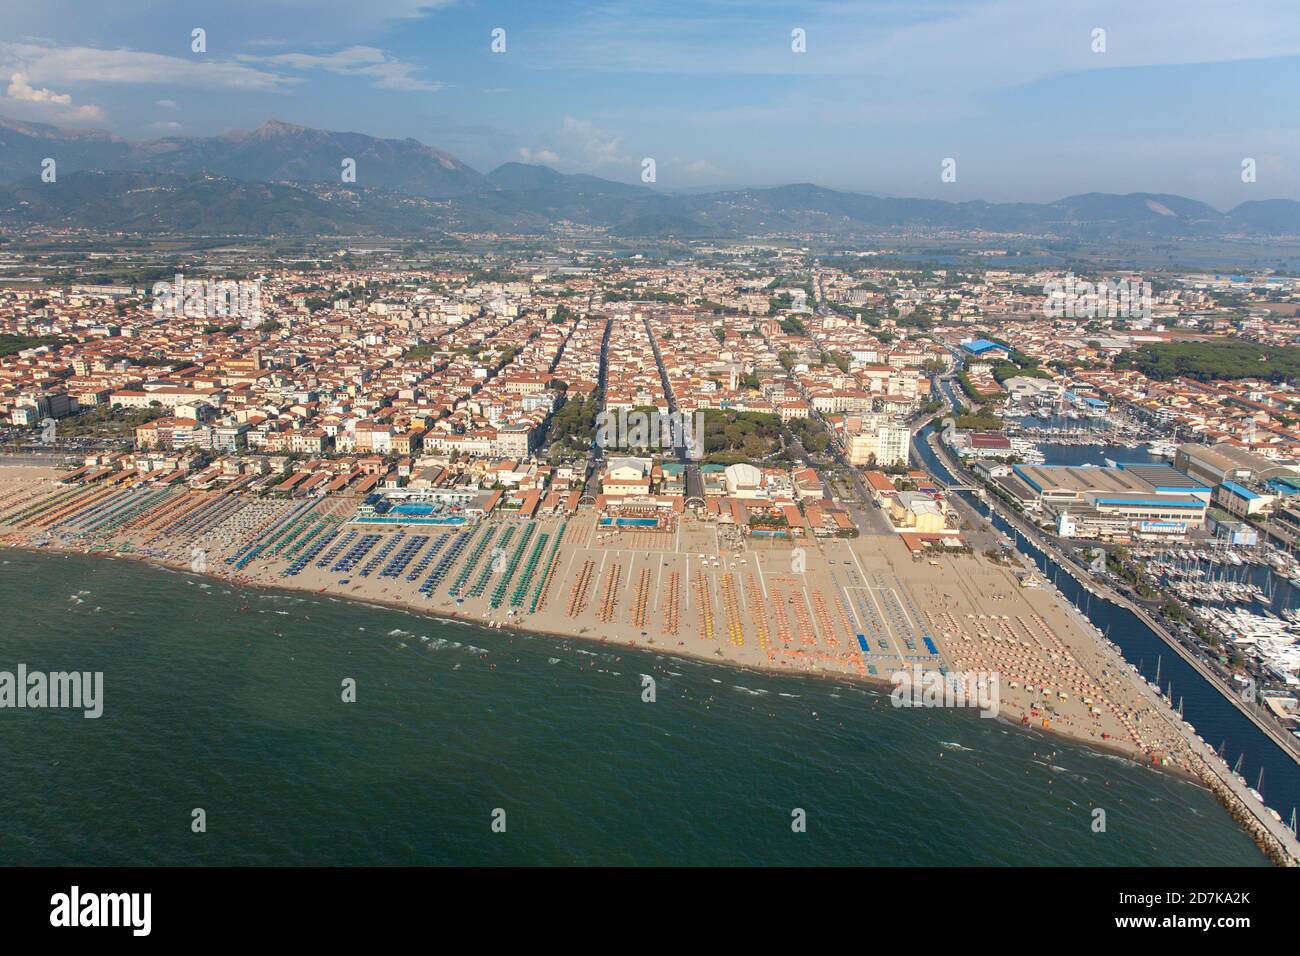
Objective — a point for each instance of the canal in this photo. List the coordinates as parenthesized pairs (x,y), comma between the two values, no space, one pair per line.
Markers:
(1216,719)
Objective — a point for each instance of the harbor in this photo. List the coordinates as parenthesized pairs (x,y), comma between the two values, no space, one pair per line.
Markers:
(1246,746)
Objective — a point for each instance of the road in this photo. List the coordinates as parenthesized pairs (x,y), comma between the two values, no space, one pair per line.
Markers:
(41,459)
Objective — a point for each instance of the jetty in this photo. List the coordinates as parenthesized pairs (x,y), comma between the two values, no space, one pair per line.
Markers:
(1274,838)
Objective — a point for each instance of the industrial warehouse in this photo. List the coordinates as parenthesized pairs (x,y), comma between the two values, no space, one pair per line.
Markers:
(1139,502)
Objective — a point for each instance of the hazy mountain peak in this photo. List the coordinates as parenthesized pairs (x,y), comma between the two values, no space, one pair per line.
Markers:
(47,131)
(529,197)
(279,127)
(273,152)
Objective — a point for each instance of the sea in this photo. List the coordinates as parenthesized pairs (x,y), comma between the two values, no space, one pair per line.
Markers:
(225,707)
(1097,455)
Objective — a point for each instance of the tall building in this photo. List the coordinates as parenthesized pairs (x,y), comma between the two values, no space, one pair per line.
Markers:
(882,446)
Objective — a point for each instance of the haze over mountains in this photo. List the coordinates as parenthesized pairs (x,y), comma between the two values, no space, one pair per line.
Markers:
(283,179)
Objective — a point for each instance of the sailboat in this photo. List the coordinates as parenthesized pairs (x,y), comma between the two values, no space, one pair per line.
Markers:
(1257,791)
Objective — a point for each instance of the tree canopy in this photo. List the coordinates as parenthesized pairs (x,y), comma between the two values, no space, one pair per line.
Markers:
(1221,359)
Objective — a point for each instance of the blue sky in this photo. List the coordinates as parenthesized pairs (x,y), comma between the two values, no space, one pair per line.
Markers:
(711,89)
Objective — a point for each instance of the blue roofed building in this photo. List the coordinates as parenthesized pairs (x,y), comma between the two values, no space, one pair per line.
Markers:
(1128,503)
(1284,486)
(1239,501)
(984,346)
(1168,480)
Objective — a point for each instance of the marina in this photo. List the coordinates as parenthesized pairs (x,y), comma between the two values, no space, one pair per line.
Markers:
(1232,739)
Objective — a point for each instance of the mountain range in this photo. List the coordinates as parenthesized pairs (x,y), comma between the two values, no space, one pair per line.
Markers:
(284,179)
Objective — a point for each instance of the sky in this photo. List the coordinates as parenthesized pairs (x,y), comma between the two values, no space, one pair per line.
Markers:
(1033,100)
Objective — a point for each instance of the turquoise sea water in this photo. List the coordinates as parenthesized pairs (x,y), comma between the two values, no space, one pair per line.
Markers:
(230,700)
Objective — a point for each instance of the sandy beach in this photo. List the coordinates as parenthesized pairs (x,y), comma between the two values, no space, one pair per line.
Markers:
(858,608)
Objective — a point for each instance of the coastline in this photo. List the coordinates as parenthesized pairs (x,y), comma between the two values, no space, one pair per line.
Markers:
(256,692)
(1265,826)
(523,630)
(697,589)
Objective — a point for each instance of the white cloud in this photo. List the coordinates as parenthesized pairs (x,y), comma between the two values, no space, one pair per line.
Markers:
(600,147)
(387,72)
(170,125)
(166,104)
(580,143)
(79,64)
(20,89)
(59,104)
(542,155)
